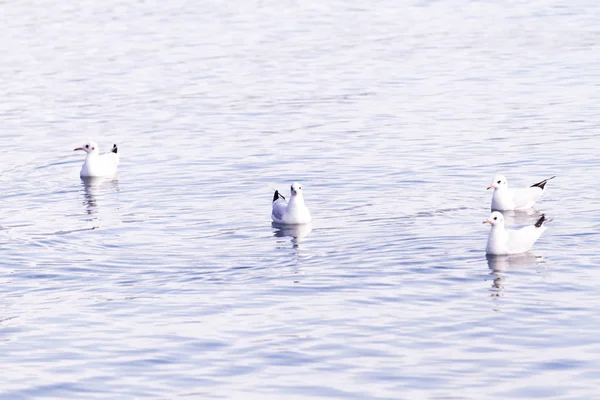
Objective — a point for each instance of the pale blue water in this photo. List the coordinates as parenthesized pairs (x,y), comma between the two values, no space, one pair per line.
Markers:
(170,282)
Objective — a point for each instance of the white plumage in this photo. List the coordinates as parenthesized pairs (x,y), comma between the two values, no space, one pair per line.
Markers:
(96,164)
(292,212)
(515,199)
(502,241)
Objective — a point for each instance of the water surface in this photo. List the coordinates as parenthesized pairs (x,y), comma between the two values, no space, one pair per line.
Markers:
(169,280)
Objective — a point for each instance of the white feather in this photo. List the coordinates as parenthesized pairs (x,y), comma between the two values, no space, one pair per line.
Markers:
(505,199)
(502,241)
(96,164)
(291,212)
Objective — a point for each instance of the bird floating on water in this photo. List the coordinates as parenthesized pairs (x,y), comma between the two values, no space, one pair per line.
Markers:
(505,199)
(290,212)
(502,241)
(97,164)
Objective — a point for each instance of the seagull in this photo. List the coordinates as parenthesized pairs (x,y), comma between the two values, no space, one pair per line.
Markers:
(505,199)
(293,212)
(503,242)
(97,164)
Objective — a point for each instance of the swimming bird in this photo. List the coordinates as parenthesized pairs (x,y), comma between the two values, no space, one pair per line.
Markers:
(502,241)
(293,212)
(515,199)
(97,164)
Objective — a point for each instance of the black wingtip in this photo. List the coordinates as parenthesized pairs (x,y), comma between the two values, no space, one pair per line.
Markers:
(540,221)
(542,184)
(276,196)
(114,149)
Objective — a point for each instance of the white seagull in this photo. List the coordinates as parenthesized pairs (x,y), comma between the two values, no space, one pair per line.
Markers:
(97,164)
(293,212)
(502,241)
(505,199)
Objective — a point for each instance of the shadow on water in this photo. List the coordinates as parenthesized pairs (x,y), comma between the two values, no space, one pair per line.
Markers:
(296,232)
(94,187)
(500,265)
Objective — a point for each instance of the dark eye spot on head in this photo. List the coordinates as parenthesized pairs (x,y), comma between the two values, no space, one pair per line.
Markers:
(87,146)
(495,218)
(299,187)
(499,181)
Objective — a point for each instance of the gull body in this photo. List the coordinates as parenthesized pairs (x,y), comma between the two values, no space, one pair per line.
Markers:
(96,164)
(502,241)
(505,199)
(292,212)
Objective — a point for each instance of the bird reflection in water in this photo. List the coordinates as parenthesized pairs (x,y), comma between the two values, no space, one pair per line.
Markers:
(499,265)
(521,217)
(94,187)
(296,232)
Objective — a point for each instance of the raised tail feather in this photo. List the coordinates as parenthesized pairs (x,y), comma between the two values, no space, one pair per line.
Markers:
(542,184)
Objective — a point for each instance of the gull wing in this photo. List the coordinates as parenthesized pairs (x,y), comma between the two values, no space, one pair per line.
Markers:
(521,240)
(279,209)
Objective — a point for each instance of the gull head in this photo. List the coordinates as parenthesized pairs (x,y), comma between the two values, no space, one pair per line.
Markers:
(499,182)
(90,147)
(495,219)
(296,189)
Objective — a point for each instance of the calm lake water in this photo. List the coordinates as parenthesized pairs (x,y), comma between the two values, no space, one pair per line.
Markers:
(169,280)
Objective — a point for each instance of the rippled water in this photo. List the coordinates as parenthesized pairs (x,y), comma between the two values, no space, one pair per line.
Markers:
(170,281)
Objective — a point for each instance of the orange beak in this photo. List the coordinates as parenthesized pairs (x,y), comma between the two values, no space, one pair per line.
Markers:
(491,186)
(487,221)
(79,148)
